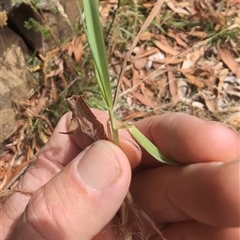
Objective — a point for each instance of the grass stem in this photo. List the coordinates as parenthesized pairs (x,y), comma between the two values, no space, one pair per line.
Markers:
(113,127)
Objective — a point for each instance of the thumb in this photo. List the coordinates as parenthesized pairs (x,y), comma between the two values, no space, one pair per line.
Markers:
(80,200)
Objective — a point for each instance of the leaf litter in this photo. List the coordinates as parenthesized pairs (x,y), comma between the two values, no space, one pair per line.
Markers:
(188,60)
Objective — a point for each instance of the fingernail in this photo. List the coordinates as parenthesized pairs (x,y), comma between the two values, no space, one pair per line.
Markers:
(98,167)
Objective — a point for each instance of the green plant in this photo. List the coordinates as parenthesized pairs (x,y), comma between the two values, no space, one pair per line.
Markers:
(35,2)
(95,38)
(37,27)
(224,34)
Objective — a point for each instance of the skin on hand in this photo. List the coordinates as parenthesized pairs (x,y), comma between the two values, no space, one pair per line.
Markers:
(200,198)
(62,203)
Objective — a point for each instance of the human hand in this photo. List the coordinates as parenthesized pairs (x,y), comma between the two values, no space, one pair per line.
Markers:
(63,206)
(75,192)
(201,199)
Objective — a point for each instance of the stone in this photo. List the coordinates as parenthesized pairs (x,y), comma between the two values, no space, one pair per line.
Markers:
(15,42)
(5,5)
(60,23)
(14,79)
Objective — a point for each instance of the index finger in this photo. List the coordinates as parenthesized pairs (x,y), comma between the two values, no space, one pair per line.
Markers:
(188,139)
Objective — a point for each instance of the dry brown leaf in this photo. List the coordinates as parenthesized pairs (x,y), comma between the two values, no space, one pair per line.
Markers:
(2,170)
(42,136)
(172,81)
(168,60)
(233,2)
(30,153)
(165,46)
(234,120)
(77,48)
(133,115)
(231,109)
(147,53)
(146,92)
(52,53)
(148,5)
(140,63)
(172,84)
(145,101)
(183,36)
(200,34)
(192,58)
(211,105)
(106,7)
(162,86)
(236,88)
(142,74)
(155,57)
(179,40)
(53,73)
(41,102)
(191,78)
(87,121)
(173,6)
(217,68)
(222,76)
(233,93)
(218,18)
(135,78)
(155,74)
(53,92)
(7,176)
(146,36)
(16,173)
(127,82)
(207,72)
(229,60)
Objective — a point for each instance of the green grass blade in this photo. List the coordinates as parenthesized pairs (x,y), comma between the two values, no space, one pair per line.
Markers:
(149,146)
(96,42)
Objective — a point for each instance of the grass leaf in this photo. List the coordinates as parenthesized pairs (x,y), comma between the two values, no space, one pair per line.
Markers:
(149,146)
(96,42)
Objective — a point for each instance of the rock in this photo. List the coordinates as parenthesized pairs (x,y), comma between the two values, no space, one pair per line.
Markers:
(59,23)
(14,78)
(16,40)
(5,5)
